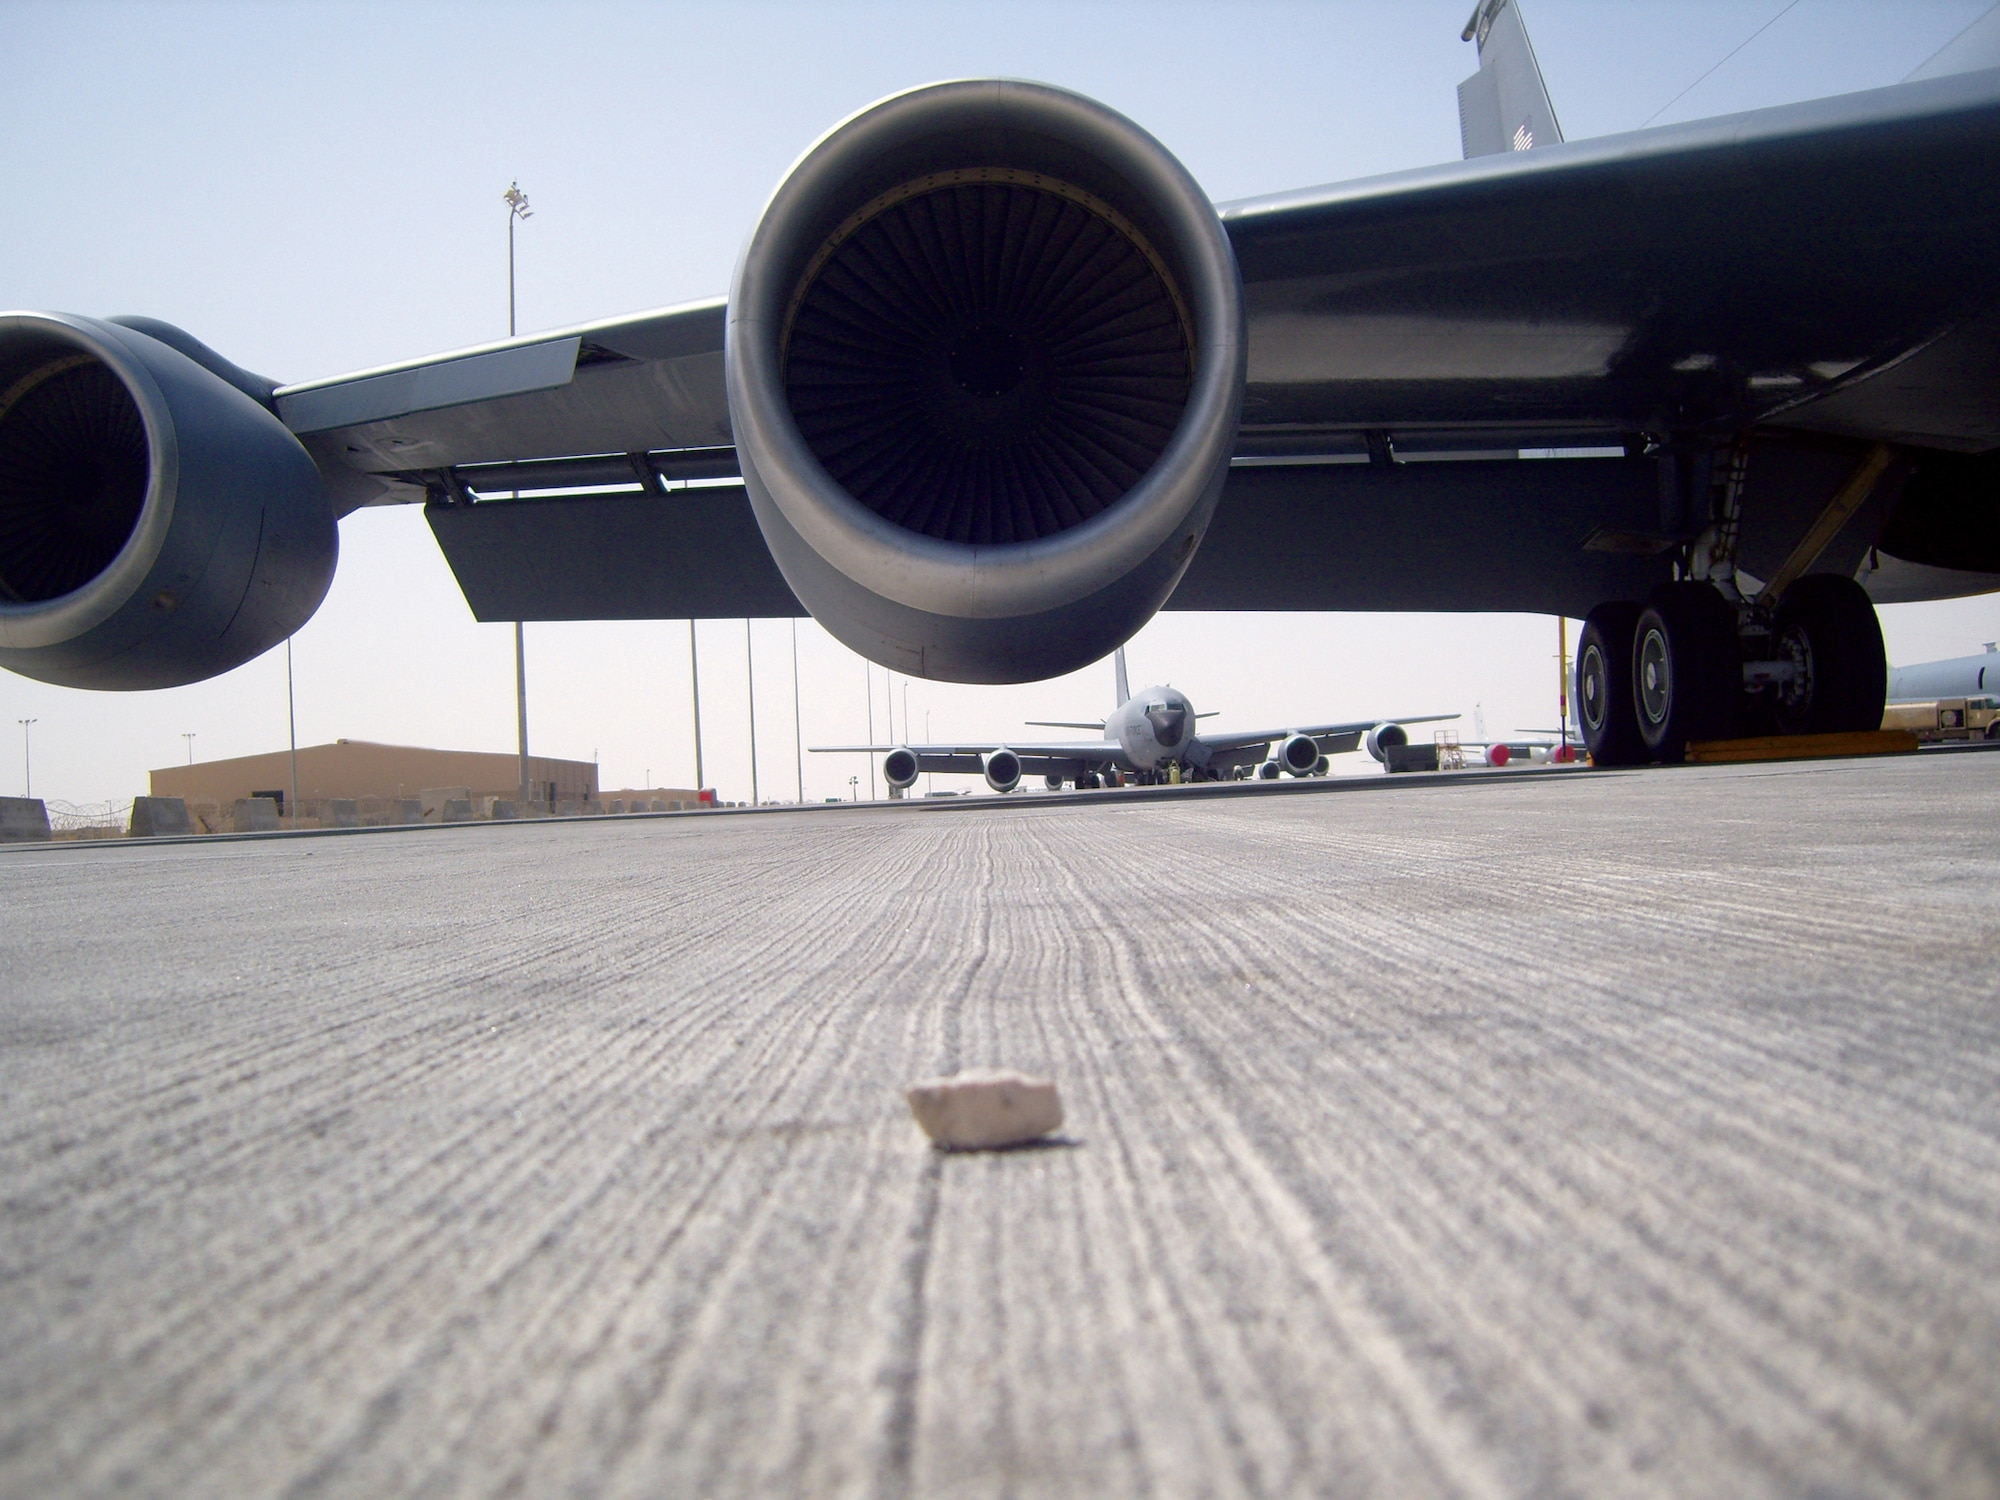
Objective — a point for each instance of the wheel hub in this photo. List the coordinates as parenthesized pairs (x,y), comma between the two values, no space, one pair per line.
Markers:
(1656,677)
(1795,696)
(1591,687)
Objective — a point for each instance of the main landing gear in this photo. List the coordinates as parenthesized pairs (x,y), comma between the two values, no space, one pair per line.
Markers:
(1688,664)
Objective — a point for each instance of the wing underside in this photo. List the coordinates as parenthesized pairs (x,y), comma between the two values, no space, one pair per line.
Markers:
(1477,386)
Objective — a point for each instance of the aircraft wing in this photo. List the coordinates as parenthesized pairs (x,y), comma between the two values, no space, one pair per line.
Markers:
(1333,738)
(1463,390)
(1066,757)
(591,397)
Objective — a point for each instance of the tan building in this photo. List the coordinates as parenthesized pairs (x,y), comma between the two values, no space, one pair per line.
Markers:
(363,770)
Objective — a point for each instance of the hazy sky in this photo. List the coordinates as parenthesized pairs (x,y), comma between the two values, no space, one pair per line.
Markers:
(314,188)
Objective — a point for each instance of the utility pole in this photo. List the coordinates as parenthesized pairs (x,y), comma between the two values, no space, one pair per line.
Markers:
(27,757)
(868,677)
(517,209)
(750,669)
(292,719)
(798,734)
(190,744)
(694,676)
(1562,683)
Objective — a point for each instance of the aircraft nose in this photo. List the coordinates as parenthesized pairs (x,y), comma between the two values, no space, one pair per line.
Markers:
(1167,724)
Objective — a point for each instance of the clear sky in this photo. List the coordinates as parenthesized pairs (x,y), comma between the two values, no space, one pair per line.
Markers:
(314,188)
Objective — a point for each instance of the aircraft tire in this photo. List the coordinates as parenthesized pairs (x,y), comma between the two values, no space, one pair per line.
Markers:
(1604,705)
(1826,626)
(1686,682)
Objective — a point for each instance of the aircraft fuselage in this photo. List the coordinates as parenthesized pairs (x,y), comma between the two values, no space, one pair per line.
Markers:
(1153,727)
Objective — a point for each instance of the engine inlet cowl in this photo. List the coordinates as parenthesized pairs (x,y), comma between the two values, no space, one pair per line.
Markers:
(1300,754)
(1003,770)
(1385,737)
(158,524)
(985,358)
(899,767)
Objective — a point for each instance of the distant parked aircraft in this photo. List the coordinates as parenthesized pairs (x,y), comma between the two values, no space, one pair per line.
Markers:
(1960,677)
(1149,736)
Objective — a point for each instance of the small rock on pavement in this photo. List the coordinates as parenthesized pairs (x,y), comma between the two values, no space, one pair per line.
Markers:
(982,1108)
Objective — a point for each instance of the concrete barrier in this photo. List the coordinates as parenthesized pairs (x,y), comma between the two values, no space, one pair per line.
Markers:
(434,799)
(256,815)
(504,810)
(456,810)
(159,818)
(24,820)
(343,812)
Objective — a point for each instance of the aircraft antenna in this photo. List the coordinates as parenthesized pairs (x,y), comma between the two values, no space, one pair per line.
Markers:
(1725,58)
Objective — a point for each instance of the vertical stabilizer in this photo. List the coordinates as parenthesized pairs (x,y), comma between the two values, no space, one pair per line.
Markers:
(1124,687)
(1504,106)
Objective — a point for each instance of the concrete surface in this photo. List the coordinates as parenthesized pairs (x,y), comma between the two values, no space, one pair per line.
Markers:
(1595,1134)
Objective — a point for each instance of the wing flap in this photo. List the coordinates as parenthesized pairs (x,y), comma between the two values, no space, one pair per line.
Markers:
(649,381)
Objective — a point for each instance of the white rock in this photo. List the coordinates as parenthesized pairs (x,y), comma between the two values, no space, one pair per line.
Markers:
(981,1108)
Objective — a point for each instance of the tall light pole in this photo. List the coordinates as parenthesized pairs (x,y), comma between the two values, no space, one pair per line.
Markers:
(694,677)
(868,677)
(189,737)
(750,668)
(292,718)
(517,209)
(798,734)
(27,758)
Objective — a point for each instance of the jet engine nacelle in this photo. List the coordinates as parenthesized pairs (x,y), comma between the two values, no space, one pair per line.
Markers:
(1383,737)
(1003,770)
(158,524)
(1270,770)
(1299,755)
(972,458)
(899,768)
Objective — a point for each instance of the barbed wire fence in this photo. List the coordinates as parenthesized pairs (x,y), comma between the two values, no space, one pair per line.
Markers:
(89,820)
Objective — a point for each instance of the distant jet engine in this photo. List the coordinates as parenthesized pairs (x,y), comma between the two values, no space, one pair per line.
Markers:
(1270,770)
(158,525)
(985,356)
(1003,770)
(1385,737)
(899,768)
(1299,755)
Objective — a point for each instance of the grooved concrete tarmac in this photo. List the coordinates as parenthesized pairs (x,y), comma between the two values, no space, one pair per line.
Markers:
(1602,1134)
